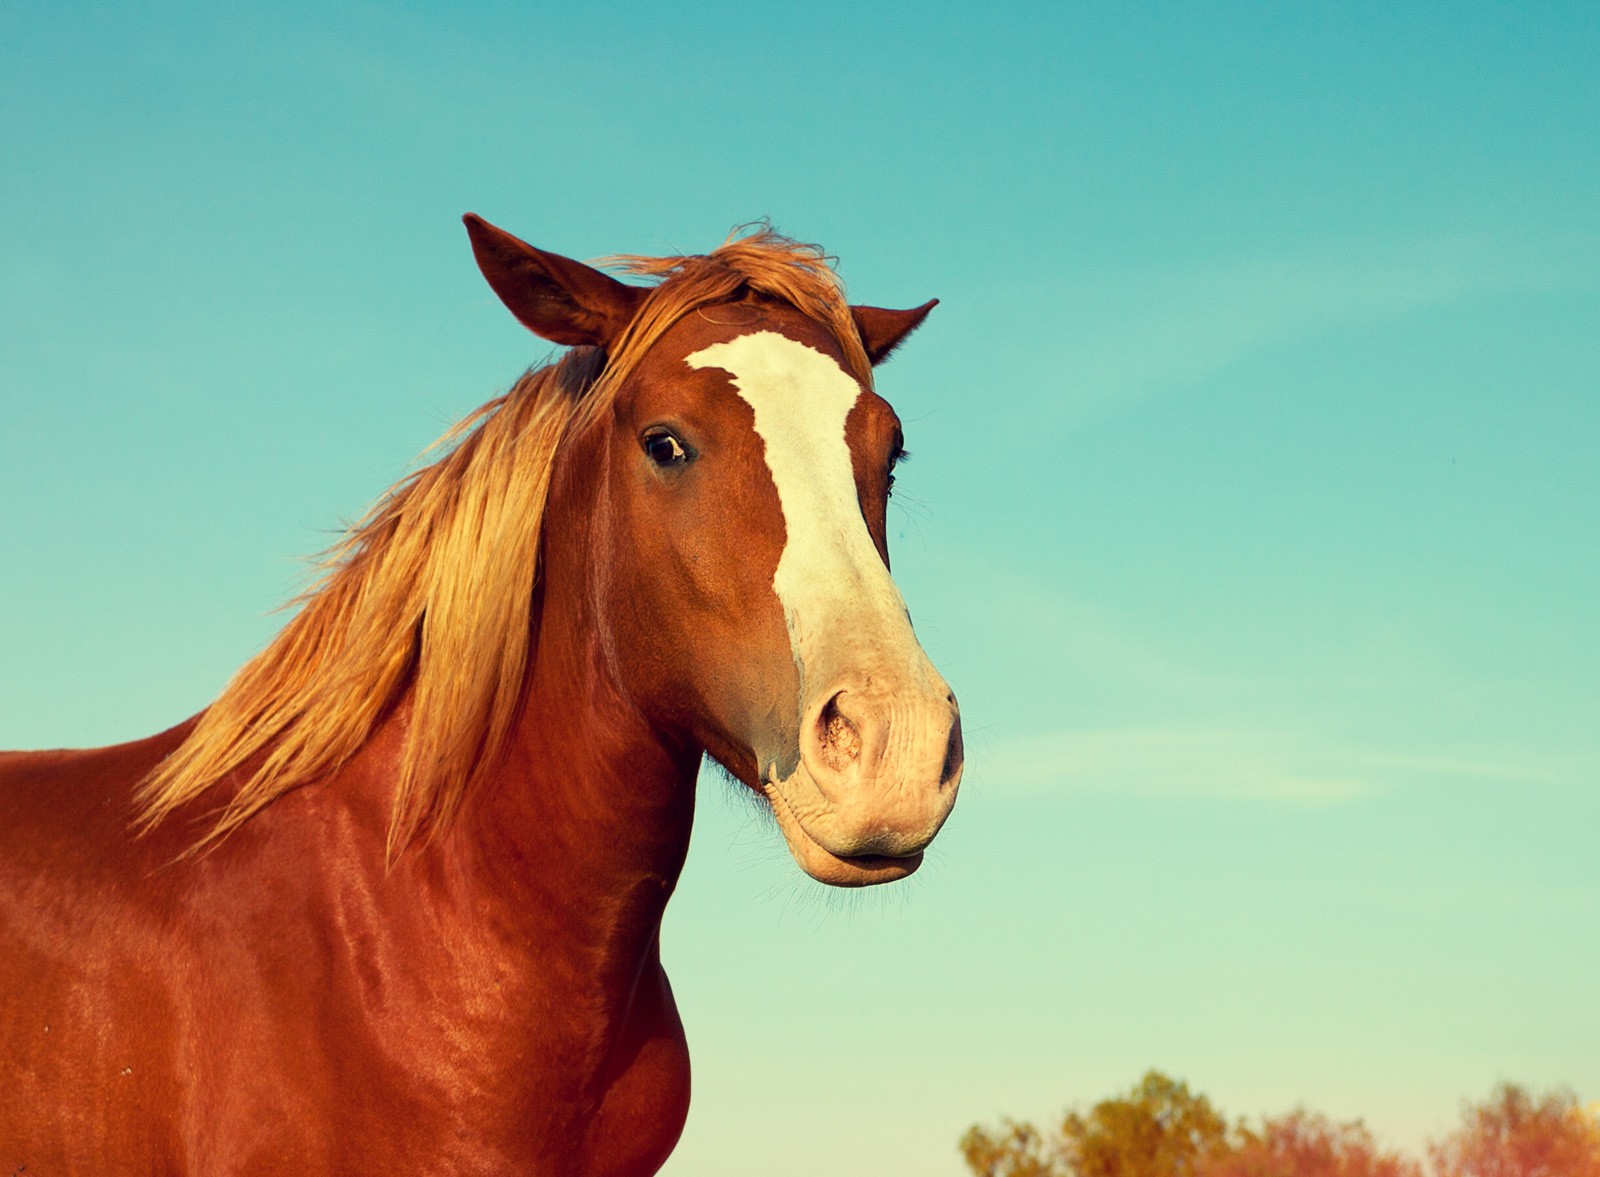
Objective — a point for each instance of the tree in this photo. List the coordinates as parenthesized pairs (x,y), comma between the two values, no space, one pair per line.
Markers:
(1162,1129)
(1015,1150)
(1306,1144)
(1158,1129)
(1512,1134)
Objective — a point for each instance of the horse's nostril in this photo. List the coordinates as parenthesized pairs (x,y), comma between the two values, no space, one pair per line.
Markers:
(953,755)
(840,740)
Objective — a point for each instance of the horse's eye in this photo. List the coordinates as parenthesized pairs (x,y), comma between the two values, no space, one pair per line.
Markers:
(664,449)
(900,454)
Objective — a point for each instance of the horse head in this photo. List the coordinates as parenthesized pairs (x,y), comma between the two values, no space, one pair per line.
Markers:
(737,566)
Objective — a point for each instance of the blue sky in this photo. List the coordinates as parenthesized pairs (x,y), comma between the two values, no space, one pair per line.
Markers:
(1253,514)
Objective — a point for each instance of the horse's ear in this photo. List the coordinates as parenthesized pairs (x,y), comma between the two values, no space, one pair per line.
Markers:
(553,296)
(882,330)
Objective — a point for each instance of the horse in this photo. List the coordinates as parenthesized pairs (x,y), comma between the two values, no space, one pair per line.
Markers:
(392,902)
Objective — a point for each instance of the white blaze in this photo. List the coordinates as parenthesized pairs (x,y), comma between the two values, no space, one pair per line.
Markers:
(830,578)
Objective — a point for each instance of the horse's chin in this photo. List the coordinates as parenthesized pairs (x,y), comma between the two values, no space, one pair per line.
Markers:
(837,870)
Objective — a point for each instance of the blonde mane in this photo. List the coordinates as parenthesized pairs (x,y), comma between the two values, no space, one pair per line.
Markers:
(431,593)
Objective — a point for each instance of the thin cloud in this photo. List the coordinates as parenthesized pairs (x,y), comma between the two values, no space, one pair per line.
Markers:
(1235,764)
(1070,631)
(1136,334)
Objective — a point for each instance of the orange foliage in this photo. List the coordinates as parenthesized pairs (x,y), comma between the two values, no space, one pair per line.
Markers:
(1014,1150)
(1304,1144)
(1515,1135)
(1158,1129)
(1162,1129)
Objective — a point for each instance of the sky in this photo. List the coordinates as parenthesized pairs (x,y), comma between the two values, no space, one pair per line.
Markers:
(1253,511)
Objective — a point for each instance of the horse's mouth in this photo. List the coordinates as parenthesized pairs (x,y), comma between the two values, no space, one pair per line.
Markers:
(822,864)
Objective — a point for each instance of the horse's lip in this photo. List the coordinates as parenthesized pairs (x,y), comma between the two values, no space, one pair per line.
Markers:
(822,864)
(873,861)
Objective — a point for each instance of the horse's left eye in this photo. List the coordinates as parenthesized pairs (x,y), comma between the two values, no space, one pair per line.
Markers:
(900,455)
(663,449)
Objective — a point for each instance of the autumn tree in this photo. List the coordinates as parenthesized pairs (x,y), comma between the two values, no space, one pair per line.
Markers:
(1162,1129)
(1013,1150)
(1305,1144)
(1158,1129)
(1512,1134)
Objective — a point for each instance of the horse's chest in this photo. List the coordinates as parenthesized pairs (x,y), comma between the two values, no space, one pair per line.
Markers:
(646,1097)
(554,1097)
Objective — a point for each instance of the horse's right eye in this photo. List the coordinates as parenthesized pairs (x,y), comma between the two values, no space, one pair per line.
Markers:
(664,449)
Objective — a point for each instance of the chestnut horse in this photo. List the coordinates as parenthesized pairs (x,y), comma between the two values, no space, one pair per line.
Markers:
(391,904)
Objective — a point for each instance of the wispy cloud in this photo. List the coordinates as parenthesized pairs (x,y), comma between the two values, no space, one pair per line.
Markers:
(1237,763)
(1132,334)
(1067,630)
(1128,711)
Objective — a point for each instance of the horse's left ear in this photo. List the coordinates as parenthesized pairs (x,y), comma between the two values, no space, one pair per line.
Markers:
(553,296)
(882,330)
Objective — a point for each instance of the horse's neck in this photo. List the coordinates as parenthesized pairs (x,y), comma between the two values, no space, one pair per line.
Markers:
(581,831)
(530,918)
(576,839)
(591,804)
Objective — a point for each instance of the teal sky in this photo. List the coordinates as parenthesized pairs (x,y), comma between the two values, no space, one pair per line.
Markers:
(1254,513)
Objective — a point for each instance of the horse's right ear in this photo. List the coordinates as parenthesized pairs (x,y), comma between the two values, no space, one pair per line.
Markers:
(553,296)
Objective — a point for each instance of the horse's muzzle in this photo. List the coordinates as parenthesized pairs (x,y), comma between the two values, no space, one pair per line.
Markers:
(880,765)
